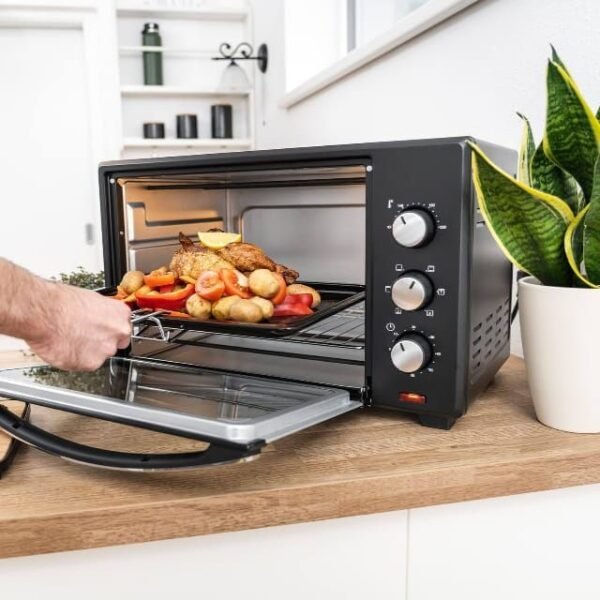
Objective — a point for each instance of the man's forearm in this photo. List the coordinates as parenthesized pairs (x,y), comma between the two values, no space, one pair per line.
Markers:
(26,302)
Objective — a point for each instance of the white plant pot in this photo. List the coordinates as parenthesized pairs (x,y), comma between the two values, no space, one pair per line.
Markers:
(560,329)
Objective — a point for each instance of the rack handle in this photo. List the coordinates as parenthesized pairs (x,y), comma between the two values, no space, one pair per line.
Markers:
(43,440)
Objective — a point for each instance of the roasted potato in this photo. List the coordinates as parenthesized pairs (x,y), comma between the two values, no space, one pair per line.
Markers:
(300,288)
(198,307)
(266,306)
(264,283)
(221,308)
(132,281)
(246,311)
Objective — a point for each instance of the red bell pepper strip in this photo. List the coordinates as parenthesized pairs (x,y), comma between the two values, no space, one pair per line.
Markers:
(292,310)
(299,299)
(174,314)
(174,300)
(159,280)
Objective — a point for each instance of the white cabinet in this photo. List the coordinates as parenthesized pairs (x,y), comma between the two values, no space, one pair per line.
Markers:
(542,545)
(523,547)
(56,110)
(356,558)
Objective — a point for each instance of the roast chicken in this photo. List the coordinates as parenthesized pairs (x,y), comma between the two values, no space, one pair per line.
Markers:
(191,260)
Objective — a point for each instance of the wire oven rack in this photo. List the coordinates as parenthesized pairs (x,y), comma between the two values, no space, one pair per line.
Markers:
(345,329)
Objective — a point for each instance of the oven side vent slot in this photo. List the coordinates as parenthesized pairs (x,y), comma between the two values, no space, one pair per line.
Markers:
(489,337)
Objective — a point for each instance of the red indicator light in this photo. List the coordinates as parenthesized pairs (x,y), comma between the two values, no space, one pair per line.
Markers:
(412,398)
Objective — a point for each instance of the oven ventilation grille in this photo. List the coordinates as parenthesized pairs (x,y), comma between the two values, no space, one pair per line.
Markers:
(489,336)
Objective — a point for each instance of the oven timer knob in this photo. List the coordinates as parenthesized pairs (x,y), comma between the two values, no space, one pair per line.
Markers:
(413,228)
(411,353)
(412,291)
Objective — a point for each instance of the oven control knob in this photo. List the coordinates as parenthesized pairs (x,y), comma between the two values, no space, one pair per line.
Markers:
(412,291)
(411,353)
(413,228)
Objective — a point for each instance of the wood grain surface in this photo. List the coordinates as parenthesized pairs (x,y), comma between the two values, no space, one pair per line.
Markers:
(6,442)
(365,462)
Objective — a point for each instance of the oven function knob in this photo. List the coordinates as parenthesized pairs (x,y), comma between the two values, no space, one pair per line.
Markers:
(411,353)
(412,291)
(413,228)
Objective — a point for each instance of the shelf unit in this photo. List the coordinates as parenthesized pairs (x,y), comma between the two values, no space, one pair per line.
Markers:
(208,143)
(201,14)
(165,90)
(190,76)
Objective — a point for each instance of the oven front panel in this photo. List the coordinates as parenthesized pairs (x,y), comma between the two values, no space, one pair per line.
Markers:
(432,182)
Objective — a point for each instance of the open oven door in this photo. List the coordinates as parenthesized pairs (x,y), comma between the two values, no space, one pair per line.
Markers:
(237,415)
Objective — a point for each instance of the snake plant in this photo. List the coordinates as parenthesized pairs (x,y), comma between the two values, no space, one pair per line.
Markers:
(547,218)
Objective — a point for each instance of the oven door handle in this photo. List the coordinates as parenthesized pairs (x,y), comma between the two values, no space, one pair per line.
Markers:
(29,434)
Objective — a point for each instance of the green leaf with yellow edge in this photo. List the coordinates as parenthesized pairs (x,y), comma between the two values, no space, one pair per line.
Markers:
(529,225)
(572,249)
(550,178)
(572,136)
(591,232)
(557,59)
(526,152)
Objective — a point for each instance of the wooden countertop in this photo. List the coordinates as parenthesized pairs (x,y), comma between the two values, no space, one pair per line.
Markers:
(365,462)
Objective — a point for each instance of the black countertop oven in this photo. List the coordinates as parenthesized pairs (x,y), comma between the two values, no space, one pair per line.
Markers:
(417,317)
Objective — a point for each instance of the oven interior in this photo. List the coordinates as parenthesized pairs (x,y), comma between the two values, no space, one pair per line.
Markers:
(312,219)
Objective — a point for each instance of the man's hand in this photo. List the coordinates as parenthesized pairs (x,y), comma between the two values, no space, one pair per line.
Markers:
(82,329)
(68,327)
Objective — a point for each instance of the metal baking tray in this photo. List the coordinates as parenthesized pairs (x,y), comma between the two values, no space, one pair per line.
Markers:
(334,298)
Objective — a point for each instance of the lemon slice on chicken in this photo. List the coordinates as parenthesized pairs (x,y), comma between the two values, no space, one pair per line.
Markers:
(215,240)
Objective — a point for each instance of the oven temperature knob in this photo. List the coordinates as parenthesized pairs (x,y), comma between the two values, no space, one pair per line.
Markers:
(412,291)
(413,228)
(411,353)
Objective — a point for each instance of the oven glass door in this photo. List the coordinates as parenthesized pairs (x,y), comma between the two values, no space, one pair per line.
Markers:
(207,405)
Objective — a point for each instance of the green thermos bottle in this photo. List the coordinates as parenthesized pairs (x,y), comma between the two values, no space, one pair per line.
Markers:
(153,74)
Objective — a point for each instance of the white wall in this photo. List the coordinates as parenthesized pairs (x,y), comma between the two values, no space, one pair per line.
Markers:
(327,37)
(466,76)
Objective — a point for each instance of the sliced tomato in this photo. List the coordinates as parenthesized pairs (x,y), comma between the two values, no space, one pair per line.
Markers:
(292,310)
(281,294)
(298,299)
(232,284)
(209,286)
(159,280)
